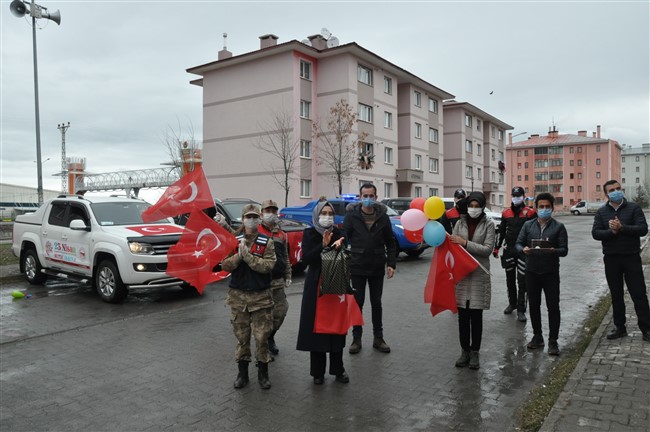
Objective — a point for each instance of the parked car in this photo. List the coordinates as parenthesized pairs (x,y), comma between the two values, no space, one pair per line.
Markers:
(400,205)
(585,207)
(304,214)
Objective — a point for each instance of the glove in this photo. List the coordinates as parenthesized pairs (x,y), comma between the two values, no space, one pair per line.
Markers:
(287,283)
(220,219)
(495,253)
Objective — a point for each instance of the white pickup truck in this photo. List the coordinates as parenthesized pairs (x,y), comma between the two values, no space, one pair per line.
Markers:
(95,239)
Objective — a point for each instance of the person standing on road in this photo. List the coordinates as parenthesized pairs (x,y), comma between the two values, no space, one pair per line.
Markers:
(460,207)
(543,240)
(476,233)
(369,234)
(323,234)
(512,219)
(619,225)
(250,298)
(281,273)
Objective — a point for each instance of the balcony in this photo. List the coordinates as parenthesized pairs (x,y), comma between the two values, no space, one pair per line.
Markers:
(490,187)
(409,175)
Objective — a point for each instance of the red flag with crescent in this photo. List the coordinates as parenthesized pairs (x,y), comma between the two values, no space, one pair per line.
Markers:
(189,193)
(449,265)
(336,313)
(202,246)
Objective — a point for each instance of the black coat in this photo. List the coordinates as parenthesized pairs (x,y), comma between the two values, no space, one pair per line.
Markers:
(312,246)
(628,239)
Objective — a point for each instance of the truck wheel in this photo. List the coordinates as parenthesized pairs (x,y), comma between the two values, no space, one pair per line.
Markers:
(32,267)
(414,253)
(109,283)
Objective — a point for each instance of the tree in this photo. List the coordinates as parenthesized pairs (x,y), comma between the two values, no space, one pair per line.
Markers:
(642,197)
(180,141)
(278,141)
(338,150)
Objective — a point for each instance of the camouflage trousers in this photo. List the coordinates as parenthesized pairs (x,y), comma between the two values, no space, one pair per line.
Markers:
(251,314)
(280,306)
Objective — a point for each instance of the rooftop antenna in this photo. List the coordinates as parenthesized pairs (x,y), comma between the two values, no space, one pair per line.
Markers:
(225,36)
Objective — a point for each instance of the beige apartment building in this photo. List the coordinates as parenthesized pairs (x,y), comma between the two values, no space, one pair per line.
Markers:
(401,114)
(635,170)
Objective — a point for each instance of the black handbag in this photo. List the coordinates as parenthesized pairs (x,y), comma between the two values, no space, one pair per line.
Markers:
(335,272)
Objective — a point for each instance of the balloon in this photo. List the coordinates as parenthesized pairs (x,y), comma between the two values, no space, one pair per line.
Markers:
(434,233)
(17,294)
(414,236)
(417,203)
(413,219)
(434,207)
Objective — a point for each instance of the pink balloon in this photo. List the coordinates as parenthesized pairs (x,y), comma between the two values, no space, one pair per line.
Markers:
(414,219)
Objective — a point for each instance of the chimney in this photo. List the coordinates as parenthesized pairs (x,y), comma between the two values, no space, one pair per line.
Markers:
(318,41)
(593,134)
(224,53)
(268,40)
(582,133)
(552,133)
(534,136)
(598,131)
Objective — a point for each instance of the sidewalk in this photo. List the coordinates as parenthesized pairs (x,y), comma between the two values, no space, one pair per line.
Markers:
(609,390)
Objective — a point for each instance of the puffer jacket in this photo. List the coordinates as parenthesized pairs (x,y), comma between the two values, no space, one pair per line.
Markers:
(476,287)
(628,239)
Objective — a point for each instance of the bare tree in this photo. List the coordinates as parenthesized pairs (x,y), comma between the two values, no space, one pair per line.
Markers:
(278,141)
(179,141)
(339,150)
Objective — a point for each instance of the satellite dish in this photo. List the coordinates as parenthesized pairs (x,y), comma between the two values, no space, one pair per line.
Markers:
(332,42)
(325,33)
(306,42)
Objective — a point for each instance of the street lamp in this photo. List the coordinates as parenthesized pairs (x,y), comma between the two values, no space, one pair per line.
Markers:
(512,166)
(19,9)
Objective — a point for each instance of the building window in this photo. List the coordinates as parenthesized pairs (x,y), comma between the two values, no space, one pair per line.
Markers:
(571,150)
(493,131)
(388,155)
(571,162)
(637,169)
(468,120)
(305,70)
(478,149)
(541,150)
(579,188)
(433,105)
(479,172)
(388,190)
(525,152)
(500,134)
(433,192)
(305,188)
(623,170)
(478,124)
(571,189)
(623,159)
(493,153)
(597,174)
(579,149)
(418,162)
(501,156)
(637,180)
(365,113)
(597,161)
(418,130)
(433,135)
(518,178)
(526,179)
(571,176)
(579,162)
(579,176)
(388,120)
(418,191)
(305,149)
(388,85)
(493,176)
(418,98)
(636,158)
(364,75)
(367,148)
(518,165)
(597,188)
(468,146)
(305,108)
(598,148)
(433,165)
(623,179)
(518,153)
(525,165)
(468,172)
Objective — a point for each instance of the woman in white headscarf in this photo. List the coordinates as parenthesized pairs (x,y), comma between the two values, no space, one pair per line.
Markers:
(323,234)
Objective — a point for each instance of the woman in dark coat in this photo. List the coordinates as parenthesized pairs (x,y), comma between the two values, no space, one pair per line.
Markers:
(323,234)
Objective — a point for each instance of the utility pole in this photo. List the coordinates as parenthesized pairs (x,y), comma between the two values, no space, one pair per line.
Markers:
(64,166)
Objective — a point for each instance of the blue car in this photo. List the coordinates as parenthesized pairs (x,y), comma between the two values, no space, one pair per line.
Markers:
(304,213)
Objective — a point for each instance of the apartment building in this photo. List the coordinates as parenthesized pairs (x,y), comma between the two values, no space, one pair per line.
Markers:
(635,170)
(571,167)
(400,113)
(474,152)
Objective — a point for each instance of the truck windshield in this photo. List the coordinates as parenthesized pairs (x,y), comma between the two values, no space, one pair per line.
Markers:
(121,213)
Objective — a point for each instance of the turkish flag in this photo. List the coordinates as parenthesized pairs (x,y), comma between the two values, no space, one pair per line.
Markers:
(202,246)
(336,313)
(449,265)
(189,193)
(148,230)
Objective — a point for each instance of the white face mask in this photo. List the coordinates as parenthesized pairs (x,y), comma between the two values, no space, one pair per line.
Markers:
(474,212)
(325,221)
(251,222)
(270,218)
(517,200)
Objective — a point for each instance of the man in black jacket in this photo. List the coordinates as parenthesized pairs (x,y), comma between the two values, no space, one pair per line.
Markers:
(620,224)
(370,237)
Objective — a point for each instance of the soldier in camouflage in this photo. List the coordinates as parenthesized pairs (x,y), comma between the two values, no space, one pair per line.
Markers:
(250,298)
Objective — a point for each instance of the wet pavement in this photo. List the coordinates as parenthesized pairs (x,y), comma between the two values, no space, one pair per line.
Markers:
(164,360)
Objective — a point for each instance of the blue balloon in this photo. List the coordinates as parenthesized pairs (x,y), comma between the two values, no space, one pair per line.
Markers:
(434,233)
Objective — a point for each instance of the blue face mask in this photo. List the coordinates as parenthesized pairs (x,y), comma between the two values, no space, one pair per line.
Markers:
(367,202)
(544,213)
(616,196)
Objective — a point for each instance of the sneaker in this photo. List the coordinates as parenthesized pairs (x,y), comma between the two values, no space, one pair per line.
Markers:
(553,348)
(509,309)
(536,342)
(356,346)
(617,332)
(380,345)
(473,360)
(521,316)
(463,360)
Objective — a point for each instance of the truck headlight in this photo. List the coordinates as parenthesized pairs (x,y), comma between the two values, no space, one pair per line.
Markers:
(141,248)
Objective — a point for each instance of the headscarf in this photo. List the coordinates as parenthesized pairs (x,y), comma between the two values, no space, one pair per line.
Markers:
(314,216)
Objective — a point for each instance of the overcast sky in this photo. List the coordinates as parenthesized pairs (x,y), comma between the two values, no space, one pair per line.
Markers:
(116,70)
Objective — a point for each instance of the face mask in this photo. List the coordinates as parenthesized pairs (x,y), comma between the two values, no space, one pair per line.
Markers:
(517,200)
(367,202)
(474,212)
(251,222)
(326,221)
(544,213)
(616,196)
(269,218)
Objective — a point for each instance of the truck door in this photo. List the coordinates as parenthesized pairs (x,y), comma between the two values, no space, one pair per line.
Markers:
(51,235)
(75,245)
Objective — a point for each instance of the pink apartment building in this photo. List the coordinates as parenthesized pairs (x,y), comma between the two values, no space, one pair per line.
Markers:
(401,113)
(571,167)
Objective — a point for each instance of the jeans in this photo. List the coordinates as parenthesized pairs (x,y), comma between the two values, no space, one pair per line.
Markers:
(550,284)
(470,323)
(376,288)
(628,267)
(318,362)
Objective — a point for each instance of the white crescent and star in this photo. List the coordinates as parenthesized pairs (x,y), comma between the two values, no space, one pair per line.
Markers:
(153,229)
(449,260)
(207,232)
(342,298)
(192,197)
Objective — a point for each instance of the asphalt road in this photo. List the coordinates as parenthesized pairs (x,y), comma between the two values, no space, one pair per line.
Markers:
(164,359)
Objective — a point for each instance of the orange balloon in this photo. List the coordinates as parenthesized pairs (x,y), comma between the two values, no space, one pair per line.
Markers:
(417,203)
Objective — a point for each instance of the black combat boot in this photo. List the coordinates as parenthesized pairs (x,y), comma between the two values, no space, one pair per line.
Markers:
(263,375)
(242,376)
(273,348)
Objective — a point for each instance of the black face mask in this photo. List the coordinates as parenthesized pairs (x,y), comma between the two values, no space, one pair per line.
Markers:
(461,205)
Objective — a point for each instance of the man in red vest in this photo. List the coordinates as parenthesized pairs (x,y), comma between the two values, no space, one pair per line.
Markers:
(460,207)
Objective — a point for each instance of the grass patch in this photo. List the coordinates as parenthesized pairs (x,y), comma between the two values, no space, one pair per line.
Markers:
(532,413)
(6,256)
